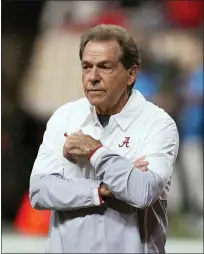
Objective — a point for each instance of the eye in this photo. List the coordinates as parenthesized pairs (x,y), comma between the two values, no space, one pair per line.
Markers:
(86,68)
(105,68)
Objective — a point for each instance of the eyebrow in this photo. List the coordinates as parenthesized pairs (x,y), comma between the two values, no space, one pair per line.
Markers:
(99,63)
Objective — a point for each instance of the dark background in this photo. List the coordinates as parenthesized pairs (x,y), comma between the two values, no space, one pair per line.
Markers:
(177,89)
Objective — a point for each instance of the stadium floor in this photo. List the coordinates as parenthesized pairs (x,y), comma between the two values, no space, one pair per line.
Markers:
(16,243)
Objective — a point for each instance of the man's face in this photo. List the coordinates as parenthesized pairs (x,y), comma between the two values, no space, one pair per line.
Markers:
(105,80)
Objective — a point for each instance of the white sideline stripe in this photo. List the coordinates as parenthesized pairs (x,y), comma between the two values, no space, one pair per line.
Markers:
(15,243)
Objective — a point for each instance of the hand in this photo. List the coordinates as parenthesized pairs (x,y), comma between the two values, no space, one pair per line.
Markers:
(141,164)
(66,153)
(105,192)
(79,145)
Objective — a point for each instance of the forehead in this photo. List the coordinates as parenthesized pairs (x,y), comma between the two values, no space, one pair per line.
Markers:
(101,50)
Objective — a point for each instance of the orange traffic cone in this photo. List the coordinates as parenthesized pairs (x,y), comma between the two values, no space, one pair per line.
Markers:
(31,221)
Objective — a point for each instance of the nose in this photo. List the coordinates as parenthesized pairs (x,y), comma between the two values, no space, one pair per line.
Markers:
(94,76)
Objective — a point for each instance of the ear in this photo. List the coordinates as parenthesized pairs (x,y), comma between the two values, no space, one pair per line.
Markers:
(133,72)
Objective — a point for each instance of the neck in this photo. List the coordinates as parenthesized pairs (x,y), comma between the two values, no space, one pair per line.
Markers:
(117,108)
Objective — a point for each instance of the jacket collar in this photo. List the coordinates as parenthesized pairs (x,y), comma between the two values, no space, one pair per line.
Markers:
(129,113)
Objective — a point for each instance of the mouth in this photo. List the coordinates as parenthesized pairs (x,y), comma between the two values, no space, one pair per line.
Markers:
(96,91)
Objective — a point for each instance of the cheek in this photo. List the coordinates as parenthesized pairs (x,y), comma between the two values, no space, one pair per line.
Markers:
(116,82)
(110,80)
(83,78)
(84,81)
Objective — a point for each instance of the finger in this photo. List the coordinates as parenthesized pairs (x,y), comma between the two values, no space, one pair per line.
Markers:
(140,159)
(143,169)
(75,136)
(76,152)
(66,142)
(71,141)
(74,161)
(70,158)
(141,164)
(75,133)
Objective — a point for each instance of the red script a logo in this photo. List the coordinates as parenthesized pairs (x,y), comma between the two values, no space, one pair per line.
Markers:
(125,142)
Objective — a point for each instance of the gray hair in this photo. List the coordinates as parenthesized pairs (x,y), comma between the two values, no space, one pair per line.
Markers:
(129,51)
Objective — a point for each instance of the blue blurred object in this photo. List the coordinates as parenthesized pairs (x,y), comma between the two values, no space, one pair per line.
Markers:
(191,115)
(191,122)
(147,83)
(195,84)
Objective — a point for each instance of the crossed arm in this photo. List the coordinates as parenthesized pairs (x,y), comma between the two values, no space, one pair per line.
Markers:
(49,189)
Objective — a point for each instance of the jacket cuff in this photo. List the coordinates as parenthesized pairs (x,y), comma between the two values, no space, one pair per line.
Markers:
(92,153)
(97,198)
(96,157)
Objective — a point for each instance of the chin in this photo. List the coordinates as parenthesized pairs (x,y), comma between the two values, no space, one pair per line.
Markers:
(96,100)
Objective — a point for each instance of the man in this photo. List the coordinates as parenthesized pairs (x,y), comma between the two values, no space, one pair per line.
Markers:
(84,171)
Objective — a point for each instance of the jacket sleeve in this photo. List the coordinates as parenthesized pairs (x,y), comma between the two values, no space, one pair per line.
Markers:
(49,188)
(137,188)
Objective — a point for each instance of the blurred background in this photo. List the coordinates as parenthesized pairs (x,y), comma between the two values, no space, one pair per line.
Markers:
(41,71)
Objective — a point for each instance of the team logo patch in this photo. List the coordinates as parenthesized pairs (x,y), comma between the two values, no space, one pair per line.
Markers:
(125,142)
